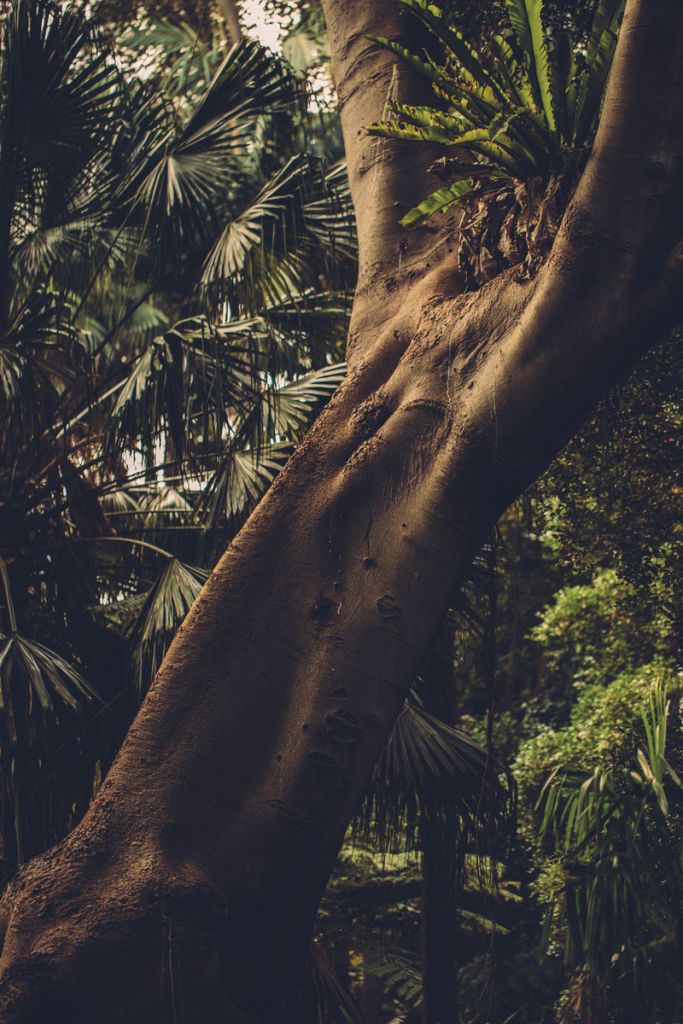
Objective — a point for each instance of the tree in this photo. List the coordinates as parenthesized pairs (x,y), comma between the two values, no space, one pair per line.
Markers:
(194,877)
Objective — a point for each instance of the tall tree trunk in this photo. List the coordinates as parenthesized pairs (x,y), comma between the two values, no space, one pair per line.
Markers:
(439,926)
(189,889)
(231,17)
(439,850)
(370,1001)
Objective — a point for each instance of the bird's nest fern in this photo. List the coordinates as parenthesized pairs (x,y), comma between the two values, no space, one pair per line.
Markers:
(516,123)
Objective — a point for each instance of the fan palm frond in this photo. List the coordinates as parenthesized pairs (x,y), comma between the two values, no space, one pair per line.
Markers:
(45,672)
(330,219)
(194,370)
(293,405)
(258,245)
(184,175)
(57,87)
(252,461)
(187,61)
(428,767)
(241,480)
(165,607)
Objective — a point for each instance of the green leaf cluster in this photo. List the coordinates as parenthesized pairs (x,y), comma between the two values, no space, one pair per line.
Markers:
(526,108)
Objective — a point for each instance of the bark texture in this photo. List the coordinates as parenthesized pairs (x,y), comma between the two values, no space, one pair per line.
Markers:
(188,891)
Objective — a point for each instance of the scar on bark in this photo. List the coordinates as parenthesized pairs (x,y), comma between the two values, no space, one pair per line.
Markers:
(390,612)
(343,726)
(322,762)
(322,611)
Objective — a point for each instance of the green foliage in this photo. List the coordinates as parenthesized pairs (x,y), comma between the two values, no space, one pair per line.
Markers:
(602,728)
(174,276)
(587,610)
(530,112)
(166,604)
(516,120)
(372,912)
(431,769)
(614,904)
(586,634)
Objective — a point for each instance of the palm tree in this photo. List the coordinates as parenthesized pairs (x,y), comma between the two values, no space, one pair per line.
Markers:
(172,307)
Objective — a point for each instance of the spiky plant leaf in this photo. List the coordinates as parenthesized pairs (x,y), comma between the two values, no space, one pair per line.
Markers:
(442,200)
(426,68)
(592,83)
(516,125)
(456,44)
(526,18)
(606,16)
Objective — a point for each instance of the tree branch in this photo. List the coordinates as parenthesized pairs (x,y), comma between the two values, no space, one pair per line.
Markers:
(386,177)
(627,217)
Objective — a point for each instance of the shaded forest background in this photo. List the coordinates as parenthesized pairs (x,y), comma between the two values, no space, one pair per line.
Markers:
(178,260)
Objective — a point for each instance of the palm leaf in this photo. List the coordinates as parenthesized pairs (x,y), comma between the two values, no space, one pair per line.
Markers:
(57,89)
(251,243)
(307,324)
(293,405)
(196,370)
(46,674)
(330,219)
(430,767)
(165,607)
(183,176)
(241,479)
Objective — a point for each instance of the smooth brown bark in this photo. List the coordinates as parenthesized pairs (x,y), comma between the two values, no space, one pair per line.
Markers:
(188,891)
